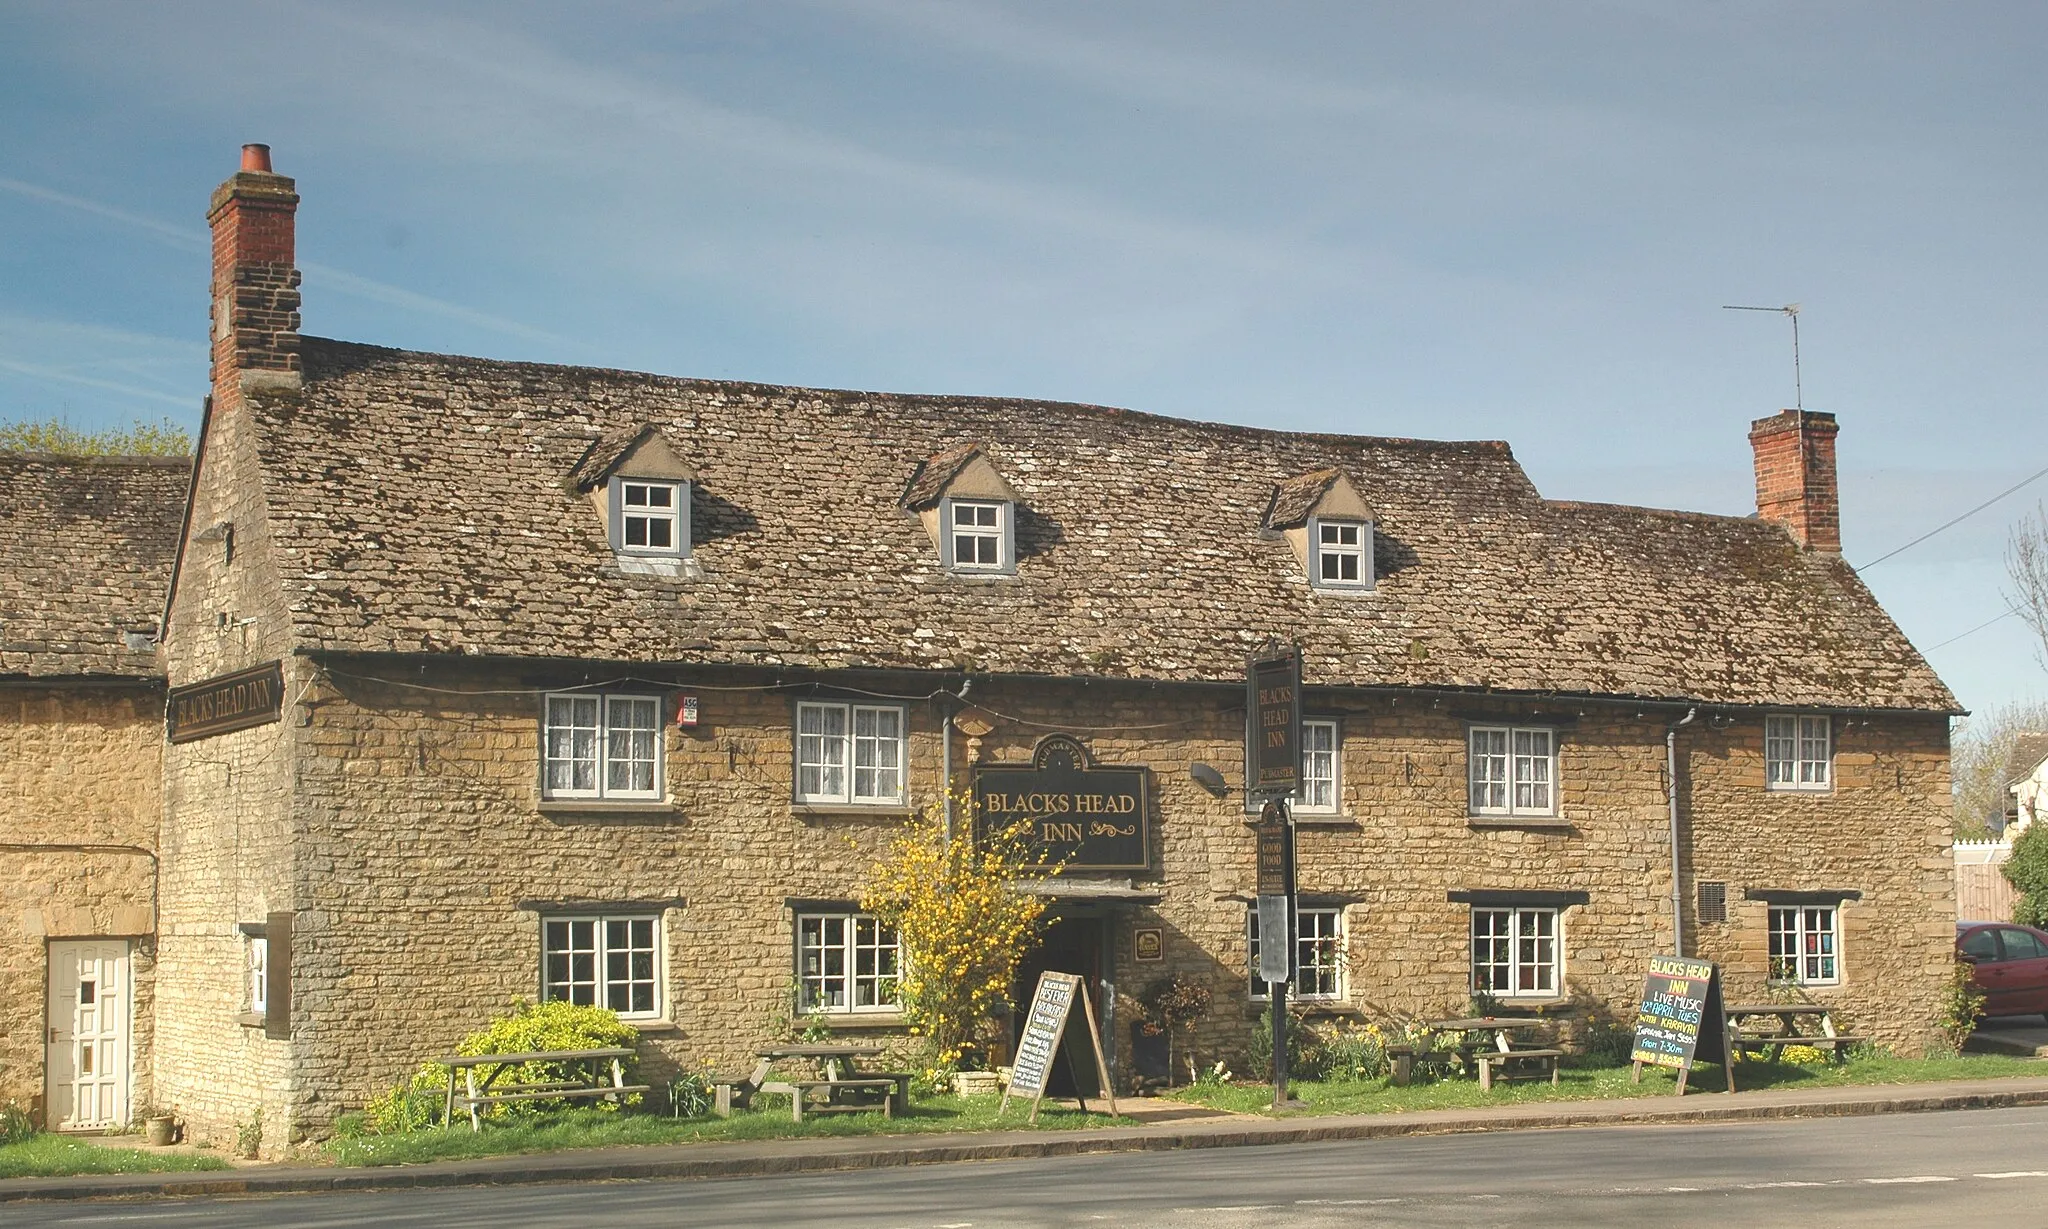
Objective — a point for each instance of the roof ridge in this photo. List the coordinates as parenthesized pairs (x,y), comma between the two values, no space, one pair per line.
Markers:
(935,399)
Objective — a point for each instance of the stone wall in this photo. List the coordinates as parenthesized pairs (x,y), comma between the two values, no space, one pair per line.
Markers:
(80,783)
(427,860)
(228,845)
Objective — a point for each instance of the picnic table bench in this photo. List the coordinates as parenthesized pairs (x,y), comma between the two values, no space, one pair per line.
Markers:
(478,1094)
(1492,1055)
(1794,1028)
(845,1089)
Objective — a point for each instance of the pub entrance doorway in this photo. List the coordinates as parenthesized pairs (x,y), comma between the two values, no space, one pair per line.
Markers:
(1072,944)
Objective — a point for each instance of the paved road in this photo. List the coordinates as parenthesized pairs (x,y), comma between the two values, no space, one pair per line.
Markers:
(1983,1166)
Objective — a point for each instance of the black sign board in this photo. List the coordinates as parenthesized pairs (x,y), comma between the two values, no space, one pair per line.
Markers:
(1081,816)
(1272,734)
(1276,852)
(1044,1025)
(231,702)
(1681,1019)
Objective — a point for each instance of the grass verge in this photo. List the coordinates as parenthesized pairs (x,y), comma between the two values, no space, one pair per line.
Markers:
(59,1156)
(1377,1096)
(593,1128)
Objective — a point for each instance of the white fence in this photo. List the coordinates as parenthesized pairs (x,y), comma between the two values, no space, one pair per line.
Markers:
(1982,894)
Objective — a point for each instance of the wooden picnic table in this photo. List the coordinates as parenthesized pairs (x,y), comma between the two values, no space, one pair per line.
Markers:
(845,1087)
(1796,1024)
(1493,1054)
(490,1092)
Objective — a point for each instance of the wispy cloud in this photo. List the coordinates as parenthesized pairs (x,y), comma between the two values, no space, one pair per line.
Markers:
(187,239)
(59,375)
(569,92)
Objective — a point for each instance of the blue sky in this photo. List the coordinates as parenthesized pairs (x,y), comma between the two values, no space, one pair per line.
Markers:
(1503,221)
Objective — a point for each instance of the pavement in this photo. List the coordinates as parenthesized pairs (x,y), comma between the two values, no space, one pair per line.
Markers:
(1177,1131)
(2024,1036)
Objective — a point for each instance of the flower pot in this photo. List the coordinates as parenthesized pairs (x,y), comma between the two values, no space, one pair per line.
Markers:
(160,1130)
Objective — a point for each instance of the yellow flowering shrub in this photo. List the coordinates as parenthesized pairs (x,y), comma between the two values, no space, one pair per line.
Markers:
(963,925)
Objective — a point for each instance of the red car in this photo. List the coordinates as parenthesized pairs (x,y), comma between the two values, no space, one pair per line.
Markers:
(2012,965)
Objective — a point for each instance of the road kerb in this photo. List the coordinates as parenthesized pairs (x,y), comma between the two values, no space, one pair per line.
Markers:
(766,1157)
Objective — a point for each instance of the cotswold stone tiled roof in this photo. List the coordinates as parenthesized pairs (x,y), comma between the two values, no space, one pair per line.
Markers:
(419,505)
(2028,750)
(85,554)
(1295,498)
(929,481)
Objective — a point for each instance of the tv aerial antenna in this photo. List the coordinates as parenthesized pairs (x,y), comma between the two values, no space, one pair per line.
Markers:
(1791,310)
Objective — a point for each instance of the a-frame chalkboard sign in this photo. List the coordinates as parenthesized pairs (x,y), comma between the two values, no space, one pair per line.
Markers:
(1044,1027)
(1681,1020)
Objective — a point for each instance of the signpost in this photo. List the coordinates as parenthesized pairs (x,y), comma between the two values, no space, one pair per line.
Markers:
(1272,742)
(1044,1027)
(1681,1010)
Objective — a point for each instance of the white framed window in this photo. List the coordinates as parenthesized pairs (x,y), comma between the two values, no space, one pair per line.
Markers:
(1805,945)
(604,961)
(1517,952)
(847,962)
(650,516)
(1512,770)
(256,967)
(1319,768)
(1341,554)
(849,753)
(1799,752)
(601,746)
(977,535)
(1318,954)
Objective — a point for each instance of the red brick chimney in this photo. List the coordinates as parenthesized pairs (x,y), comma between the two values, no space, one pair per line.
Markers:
(1795,476)
(255,285)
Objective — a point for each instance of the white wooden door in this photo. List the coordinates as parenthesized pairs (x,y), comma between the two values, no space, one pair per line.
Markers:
(90,1024)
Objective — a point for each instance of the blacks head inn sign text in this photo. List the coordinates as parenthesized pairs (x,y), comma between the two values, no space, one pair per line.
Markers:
(231,702)
(1080,816)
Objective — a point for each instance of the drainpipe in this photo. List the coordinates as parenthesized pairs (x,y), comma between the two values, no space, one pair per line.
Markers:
(1671,794)
(946,711)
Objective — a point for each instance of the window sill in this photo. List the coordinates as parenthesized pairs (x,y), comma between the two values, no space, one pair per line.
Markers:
(1552,1008)
(842,810)
(850,1021)
(1311,819)
(1804,791)
(1309,1007)
(601,806)
(1548,823)
(644,1027)
(250,1019)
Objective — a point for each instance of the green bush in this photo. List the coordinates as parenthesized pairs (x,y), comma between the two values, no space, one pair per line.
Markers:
(16,1127)
(1308,1048)
(2027,870)
(531,1028)
(163,438)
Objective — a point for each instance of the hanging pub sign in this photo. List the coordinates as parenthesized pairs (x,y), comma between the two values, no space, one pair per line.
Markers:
(1081,817)
(1272,738)
(221,705)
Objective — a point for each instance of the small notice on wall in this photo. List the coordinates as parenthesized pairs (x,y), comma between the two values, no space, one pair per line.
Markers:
(1681,1019)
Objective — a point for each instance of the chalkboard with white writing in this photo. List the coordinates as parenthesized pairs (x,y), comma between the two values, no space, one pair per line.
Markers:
(1681,1012)
(1044,1025)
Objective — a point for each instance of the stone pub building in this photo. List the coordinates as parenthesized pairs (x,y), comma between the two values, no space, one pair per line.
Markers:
(580,683)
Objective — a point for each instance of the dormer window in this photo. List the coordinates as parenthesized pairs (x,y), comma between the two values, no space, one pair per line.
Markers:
(1343,554)
(969,510)
(978,534)
(641,490)
(651,516)
(1326,520)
